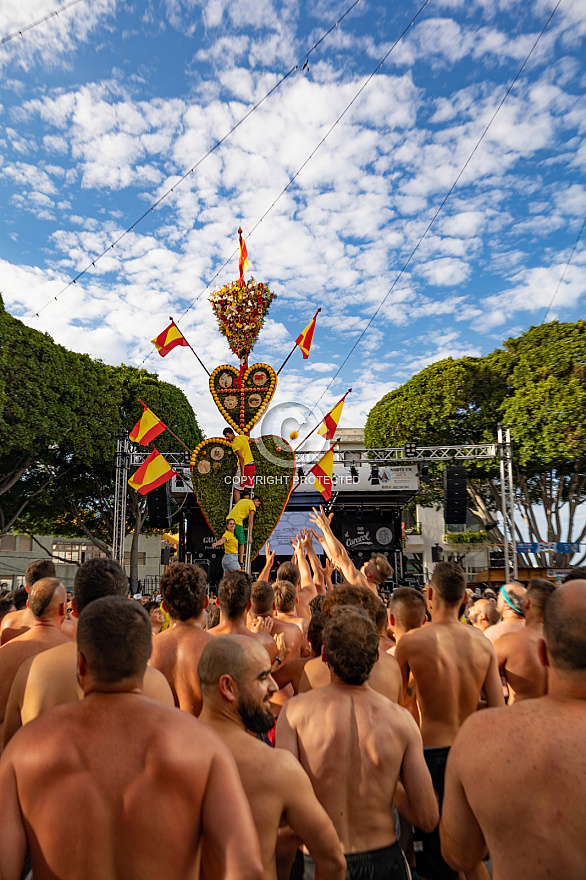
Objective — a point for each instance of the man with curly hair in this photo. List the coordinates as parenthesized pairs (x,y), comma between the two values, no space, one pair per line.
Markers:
(176,650)
(340,734)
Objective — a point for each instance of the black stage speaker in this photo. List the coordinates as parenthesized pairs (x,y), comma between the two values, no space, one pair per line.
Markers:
(454,495)
(159,507)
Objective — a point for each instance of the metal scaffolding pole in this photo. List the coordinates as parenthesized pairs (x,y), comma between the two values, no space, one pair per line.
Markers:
(121,485)
(501,454)
(509,448)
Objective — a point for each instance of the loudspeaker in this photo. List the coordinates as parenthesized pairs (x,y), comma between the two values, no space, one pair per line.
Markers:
(159,507)
(455,495)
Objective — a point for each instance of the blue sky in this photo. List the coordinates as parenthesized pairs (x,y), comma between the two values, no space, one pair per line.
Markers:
(105,107)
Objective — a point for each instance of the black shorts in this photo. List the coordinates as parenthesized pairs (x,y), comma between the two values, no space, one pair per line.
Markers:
(428,854)
(387,863)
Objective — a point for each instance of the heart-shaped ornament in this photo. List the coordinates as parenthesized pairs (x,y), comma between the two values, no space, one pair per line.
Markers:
(213,465)
(243,406)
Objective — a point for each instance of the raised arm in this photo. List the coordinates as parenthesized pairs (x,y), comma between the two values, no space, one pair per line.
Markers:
(336,551)
(265,574)
(302,564)
(318,572)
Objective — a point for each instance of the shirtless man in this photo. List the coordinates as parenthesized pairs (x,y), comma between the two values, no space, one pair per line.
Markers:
(292,671)
(17,622)
(176,651)
(53,788)
(340,733)
(50,679)
(518,652)
(286,599)
(373,573)
(236,684)
(382,620)
(407,612)
(234,591)
(385,677)
(263,605)
(510,603)
(47,599)
(298,573)
(483,614)
(530,810)
(452,665)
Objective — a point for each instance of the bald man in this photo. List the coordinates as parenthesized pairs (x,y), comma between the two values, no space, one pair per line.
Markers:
(385,677)
(510,602)
(236,682)
(483,614)
(529,810)
(518,652)
(340,734)
(15,623)
(47,603)
(79,784)
(50,678)
(176,650)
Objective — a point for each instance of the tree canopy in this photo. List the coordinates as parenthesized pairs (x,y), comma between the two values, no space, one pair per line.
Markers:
(535,384)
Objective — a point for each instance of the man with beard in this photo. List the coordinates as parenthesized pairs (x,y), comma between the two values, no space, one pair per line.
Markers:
(236,683)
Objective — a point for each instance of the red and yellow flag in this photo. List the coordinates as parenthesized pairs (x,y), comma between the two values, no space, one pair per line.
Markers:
(243,262)
(329,425)
(305,338)
(322,472)
(155,471)
(148,427)
(168,339)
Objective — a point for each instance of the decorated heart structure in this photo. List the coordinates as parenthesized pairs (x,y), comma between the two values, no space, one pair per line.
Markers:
(213,465)
(240,310)
(242,407)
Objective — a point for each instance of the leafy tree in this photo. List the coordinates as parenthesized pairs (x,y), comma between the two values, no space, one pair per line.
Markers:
(535,384)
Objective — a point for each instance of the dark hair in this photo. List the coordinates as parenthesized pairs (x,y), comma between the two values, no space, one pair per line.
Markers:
(40,568)
(262,597)
(383,567)
(408,607)
(151,605)
(19,597)
(563,627)
(285,596)
(6,606)
(288,571)
(114,635)
(315,632)
(213,617)
(234,594)
(227,431)
(183,588)
(575,574)
(41,595)
(350,641)
(381,616)
(360,597)
(97,578)
(316,603)
(538,592)
(449,580)
(257,498)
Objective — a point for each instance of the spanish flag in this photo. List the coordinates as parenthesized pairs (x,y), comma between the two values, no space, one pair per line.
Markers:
(305,339)
(168,339)
(329,425)
(322,472)
(148,427)
(155,471)
(243,262)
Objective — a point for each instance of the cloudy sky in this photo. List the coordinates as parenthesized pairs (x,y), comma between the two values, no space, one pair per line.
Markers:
(105,107)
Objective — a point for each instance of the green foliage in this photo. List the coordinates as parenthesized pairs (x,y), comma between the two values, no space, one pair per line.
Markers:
(465,537)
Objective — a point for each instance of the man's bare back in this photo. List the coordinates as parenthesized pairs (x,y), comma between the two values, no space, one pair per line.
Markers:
(518,659)
(452,665)
(86,822)
(354,744)
(385,677)
(50,679)
(534,815)
(14,624)
(176,653)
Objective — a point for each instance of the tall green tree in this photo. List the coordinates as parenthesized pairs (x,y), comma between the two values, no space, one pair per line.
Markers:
(536,384)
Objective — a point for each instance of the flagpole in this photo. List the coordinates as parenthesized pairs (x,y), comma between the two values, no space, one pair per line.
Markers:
(295,346)
(193,350)
(335,443)
(320,424)
(167,428)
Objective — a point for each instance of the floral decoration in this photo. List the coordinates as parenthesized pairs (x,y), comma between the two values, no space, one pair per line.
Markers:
(241,313)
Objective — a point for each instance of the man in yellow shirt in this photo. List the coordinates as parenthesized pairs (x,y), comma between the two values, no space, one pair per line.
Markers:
(242,508)
(241,447)
(230,543)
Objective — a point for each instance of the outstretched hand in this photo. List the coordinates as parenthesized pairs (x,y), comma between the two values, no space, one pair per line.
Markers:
(262,624)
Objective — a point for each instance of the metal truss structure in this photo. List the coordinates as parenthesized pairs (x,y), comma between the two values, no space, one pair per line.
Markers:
(398,456)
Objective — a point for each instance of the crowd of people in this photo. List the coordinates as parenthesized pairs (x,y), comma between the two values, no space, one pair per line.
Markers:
(292,728)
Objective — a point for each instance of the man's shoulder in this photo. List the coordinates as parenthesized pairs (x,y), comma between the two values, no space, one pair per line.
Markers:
(55,657)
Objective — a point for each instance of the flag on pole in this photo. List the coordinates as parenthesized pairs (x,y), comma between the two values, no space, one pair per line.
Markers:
(305,338)
(243,262)
(322,472)
(155,471)
(148,427)
(168,339)
(329,426)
